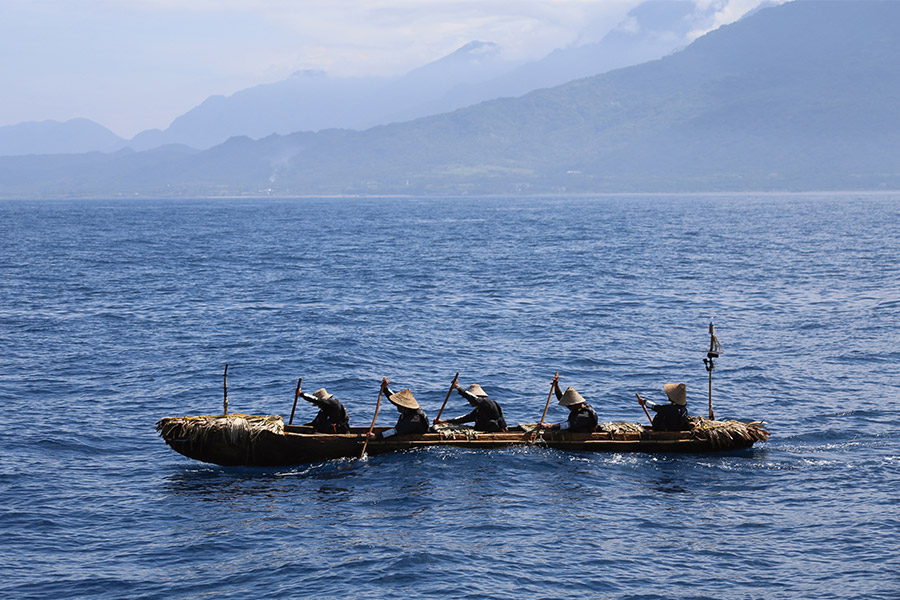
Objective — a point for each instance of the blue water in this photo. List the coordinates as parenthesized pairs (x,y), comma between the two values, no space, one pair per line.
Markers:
(115,313)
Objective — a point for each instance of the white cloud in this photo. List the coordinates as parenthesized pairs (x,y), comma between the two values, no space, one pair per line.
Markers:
(629,25)
(355,36)
(726,12)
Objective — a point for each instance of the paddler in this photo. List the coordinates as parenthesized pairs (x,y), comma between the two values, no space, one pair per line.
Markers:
(672,416)
(582,417)
(332,416)
(486,414)
(412,417)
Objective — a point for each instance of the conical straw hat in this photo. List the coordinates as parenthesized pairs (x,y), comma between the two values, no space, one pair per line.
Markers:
(322,394)
(677,393)
(571,397)
(404,399)
(476,390)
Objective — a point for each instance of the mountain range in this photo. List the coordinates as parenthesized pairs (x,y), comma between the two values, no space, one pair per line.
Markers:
(797,96)
(53,137)
(314,100)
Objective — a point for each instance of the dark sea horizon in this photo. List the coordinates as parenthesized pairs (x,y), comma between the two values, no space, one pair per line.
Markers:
(115,313)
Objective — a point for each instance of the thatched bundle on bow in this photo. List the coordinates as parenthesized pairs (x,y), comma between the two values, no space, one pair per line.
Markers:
(236,428)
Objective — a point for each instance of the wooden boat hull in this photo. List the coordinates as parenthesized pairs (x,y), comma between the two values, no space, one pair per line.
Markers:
(294,446)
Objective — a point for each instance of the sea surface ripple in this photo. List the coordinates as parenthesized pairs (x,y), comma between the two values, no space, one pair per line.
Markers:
(115,313)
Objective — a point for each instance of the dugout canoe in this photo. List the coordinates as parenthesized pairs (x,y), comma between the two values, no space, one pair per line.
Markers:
(264,440)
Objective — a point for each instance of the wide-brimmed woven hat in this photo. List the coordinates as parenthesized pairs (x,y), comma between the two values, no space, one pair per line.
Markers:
(322,394)
(571,397)
(677,393)
(404,399)
(476,390)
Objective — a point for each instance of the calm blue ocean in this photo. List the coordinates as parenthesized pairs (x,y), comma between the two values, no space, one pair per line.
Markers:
(115,313)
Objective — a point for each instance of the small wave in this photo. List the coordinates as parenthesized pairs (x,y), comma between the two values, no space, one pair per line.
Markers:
(84,446)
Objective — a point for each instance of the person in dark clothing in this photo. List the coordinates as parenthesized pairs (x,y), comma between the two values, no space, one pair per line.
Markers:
(412,417)
(672,416)
(332,416)
(487,414)
(582,417)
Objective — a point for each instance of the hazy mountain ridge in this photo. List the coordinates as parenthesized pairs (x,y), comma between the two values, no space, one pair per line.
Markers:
(313,100)
(770,102)
(474,73)
(54,137)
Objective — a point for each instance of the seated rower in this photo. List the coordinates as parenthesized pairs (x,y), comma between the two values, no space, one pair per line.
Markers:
(672,416)
(332,416)
(582,417)
(487,414)
(412,418)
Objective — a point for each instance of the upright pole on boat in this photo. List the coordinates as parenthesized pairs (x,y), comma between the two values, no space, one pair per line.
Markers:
(225,383)
(296,395)
(375,418)
(713,352)
(447,397)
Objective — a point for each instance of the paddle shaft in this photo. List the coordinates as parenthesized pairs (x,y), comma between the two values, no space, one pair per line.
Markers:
(447,397)
(372,426)
(546,406)
(647,412)
(296,395)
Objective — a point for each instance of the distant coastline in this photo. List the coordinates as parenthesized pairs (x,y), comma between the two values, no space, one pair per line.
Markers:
(523,196)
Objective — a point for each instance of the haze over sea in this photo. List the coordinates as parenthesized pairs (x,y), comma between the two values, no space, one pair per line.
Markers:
(115,313)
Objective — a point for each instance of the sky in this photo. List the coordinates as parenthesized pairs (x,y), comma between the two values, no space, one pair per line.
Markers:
(132,65)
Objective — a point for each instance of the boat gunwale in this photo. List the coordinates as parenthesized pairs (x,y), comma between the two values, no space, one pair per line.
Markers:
(300,444)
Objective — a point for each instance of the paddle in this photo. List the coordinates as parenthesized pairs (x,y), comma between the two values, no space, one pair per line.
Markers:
(641,400)
(546,406)
(375,418)
(296,395)
(447,397)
